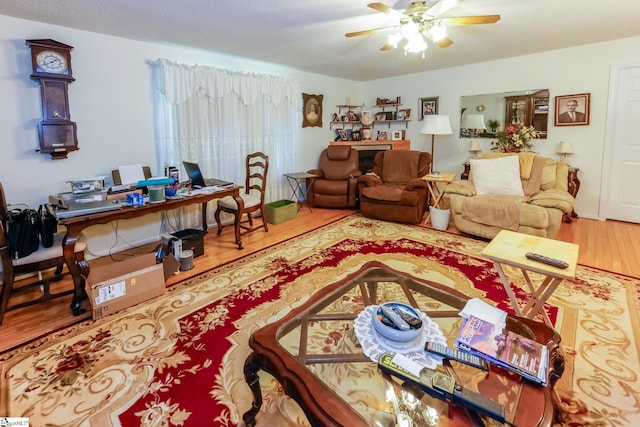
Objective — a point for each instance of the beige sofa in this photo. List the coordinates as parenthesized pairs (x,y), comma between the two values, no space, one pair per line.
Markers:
(538,210)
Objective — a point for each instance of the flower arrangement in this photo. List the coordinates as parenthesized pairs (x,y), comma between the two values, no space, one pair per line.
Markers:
(514,139)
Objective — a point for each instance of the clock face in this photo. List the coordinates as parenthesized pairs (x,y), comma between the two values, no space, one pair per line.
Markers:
(52,62)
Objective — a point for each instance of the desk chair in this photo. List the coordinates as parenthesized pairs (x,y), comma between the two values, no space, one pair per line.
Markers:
(39,261)
(257,165)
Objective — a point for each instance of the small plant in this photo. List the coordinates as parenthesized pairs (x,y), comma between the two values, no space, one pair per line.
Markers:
(493,124)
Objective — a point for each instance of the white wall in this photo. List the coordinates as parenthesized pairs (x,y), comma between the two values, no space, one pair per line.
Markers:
(582,69)
(111,101)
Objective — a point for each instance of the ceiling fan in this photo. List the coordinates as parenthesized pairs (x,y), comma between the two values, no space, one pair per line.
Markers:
(420,21)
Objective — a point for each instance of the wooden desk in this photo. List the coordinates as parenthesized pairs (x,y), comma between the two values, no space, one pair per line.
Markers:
(509,248)
(76,224)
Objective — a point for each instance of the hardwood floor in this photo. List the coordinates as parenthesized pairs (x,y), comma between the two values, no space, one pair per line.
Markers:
(608,245)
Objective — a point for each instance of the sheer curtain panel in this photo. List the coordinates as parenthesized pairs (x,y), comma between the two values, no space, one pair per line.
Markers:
(216,117)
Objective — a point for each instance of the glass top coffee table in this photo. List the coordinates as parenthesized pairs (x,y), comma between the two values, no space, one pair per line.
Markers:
(314,353)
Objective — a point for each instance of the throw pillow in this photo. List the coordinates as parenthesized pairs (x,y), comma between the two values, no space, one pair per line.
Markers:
(497,176)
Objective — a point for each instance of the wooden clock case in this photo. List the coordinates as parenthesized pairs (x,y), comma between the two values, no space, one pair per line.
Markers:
(57,133)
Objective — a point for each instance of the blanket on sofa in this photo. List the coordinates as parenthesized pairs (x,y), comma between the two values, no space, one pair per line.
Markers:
(501,210)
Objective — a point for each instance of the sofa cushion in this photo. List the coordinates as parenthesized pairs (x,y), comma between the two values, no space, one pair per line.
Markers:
(526,161)
(497,176)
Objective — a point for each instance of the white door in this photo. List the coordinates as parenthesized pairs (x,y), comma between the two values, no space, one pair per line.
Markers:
(621,178)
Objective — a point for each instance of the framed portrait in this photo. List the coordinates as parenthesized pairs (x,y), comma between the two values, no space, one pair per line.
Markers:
(428,106)
(380,117)
(382,136)
(311,110)
(572,110)
(396,135)
(356,136)
(342,135)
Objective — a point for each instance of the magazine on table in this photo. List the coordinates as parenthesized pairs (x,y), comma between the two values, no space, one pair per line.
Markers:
(507,349)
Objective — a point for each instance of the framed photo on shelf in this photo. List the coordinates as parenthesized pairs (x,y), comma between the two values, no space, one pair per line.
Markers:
(342,135)
(382,135)
(428,106)
(572,110)
(396,135)
(311,110)
(381,117)
(355,135)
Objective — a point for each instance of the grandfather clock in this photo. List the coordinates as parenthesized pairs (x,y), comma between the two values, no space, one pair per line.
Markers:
(51,64)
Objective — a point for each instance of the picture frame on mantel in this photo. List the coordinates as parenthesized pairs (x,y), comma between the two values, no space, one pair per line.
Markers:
(572,110)
(428,106)
(311,110)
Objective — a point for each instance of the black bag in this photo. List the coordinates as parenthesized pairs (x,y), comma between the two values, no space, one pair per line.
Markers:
(49,225)
(23,232)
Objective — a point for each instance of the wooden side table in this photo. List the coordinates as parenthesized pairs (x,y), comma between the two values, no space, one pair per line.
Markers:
(509,248)
(436,193)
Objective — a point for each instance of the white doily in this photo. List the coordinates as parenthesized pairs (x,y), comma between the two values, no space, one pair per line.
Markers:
(374,345)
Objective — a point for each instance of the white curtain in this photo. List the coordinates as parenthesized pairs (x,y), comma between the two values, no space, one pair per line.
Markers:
(216,117)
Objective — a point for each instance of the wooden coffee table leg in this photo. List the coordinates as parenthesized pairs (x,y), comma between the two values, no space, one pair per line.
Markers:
(251,367)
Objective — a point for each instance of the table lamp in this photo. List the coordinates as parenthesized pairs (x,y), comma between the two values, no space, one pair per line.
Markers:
(436,124)
(564,148)
(474,149)
(473,121)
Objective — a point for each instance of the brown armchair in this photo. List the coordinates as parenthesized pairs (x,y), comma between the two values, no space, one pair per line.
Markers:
(336,185)
(393,190)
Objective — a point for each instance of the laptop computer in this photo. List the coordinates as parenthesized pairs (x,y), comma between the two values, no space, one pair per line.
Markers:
(87,208)
(195,175)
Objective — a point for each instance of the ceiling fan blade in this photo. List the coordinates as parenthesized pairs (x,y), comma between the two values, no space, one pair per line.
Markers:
(365,32)
(445,42)
(441,7)
(380,7)
(470,20)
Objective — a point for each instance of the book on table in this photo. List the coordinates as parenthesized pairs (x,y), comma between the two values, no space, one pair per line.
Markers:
(507,349)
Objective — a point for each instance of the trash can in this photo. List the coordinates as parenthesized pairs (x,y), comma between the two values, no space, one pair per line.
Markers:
(192,239)
(439,218)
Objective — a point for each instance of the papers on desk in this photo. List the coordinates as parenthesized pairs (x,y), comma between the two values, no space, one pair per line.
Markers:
(130,174)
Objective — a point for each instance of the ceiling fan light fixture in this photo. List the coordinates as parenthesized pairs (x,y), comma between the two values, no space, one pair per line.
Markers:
(394,38)
(415,44)
(438,32)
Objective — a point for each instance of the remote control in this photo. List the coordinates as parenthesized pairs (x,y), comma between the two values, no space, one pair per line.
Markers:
(394,318)
(546,260)
(412,320)
(457,355)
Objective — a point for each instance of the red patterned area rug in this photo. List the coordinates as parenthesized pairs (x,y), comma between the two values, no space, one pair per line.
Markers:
(178,359)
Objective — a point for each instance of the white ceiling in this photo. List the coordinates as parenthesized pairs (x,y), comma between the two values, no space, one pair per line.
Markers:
(309,34)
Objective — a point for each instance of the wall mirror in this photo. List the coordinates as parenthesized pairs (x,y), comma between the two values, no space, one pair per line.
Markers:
(484,115)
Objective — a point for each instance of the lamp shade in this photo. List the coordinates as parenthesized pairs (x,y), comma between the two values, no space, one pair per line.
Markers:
(474,146)
(436,124)
(473,121)
(565,147)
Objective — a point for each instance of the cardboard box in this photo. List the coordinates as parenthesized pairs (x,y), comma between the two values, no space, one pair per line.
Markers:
(114,286)
(280,211)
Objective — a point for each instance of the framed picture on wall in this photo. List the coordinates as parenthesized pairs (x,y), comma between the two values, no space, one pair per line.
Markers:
(428,106)
(572,110)
(311,110)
